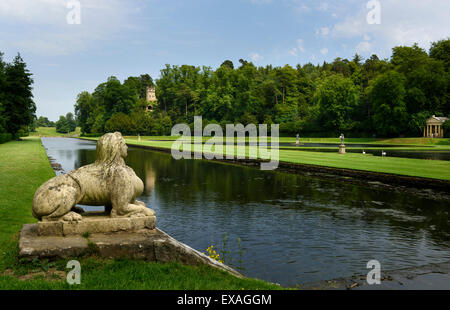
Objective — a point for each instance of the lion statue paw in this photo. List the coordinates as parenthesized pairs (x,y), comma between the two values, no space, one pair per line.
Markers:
(72,217)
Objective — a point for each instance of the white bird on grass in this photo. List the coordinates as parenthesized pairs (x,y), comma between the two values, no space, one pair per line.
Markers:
(383,153)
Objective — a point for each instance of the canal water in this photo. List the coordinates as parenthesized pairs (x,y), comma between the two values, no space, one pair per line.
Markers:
(284,228)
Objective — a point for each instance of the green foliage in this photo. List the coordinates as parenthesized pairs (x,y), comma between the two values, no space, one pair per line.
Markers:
(446,128)
(343,96)
(120,122)
(5,137)
(388,94)
(84,109)
(337,98)
(440,50)
(66,124)
(44,122)
(17,109)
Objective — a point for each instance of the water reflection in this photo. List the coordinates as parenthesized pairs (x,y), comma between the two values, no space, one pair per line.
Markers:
(294,228)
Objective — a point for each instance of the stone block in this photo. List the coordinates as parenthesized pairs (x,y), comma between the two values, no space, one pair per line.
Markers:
(146,244)
(94,222)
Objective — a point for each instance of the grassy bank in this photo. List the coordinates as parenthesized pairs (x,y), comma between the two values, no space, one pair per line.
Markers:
(412,142)
(51,132)
(435,169)
(23,168)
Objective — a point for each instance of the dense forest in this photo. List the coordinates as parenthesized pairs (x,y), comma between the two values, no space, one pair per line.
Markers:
(372,97)
(17,108)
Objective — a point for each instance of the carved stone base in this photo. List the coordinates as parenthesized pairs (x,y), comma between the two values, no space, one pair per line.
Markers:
(146,244)
(342,149)
(95,222)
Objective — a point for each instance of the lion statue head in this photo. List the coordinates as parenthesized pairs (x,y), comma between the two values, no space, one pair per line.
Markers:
(111,150)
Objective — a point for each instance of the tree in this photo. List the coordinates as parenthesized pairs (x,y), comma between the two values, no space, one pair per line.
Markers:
(62,126)
(71,123)
(426,81)
(406,58)
(3,117)
(17,99)
(118,98)
(336,97)
(388,93)
(66,124)
(122,123)
(84,109)
(446,128)
(139,85)
(440,50)
(44,122)
(228,63)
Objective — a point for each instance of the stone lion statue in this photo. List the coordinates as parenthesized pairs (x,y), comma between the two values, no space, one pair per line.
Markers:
(108,182)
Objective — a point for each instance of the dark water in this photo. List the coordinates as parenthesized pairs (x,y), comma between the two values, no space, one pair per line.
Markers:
(293,228)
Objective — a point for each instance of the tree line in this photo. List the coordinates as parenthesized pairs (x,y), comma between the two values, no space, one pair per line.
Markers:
(372,97)
(17,108)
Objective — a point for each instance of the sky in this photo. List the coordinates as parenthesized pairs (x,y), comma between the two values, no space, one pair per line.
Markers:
(122,38)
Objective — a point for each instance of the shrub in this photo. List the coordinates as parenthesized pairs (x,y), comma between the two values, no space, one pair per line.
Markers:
(446,128)
(121,122)
(5,137)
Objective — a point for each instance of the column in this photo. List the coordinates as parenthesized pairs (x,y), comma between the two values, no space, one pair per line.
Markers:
(428,131)
(424,131)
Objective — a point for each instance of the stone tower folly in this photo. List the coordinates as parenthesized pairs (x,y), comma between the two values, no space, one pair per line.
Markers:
(150,98)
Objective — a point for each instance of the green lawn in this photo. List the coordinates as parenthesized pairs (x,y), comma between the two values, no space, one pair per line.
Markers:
(23,168)
(436,169)
(51,132)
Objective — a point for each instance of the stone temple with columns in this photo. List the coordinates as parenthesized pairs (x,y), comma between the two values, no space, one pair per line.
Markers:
(434,129)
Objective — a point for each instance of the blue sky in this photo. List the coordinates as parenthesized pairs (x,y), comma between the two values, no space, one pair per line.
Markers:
(131,37)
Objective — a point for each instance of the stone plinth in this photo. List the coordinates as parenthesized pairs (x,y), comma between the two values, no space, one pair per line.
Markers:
(95,222)
(146,244)
(342,149)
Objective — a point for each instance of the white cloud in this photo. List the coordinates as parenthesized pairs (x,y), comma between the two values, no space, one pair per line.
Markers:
(323,6)
(324,31)
(403,22)
(299,48)
(300,45)
(255,57)
(324,51)
(47,31)
(293,51)
(260,1)
(363,47)
(299,6)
